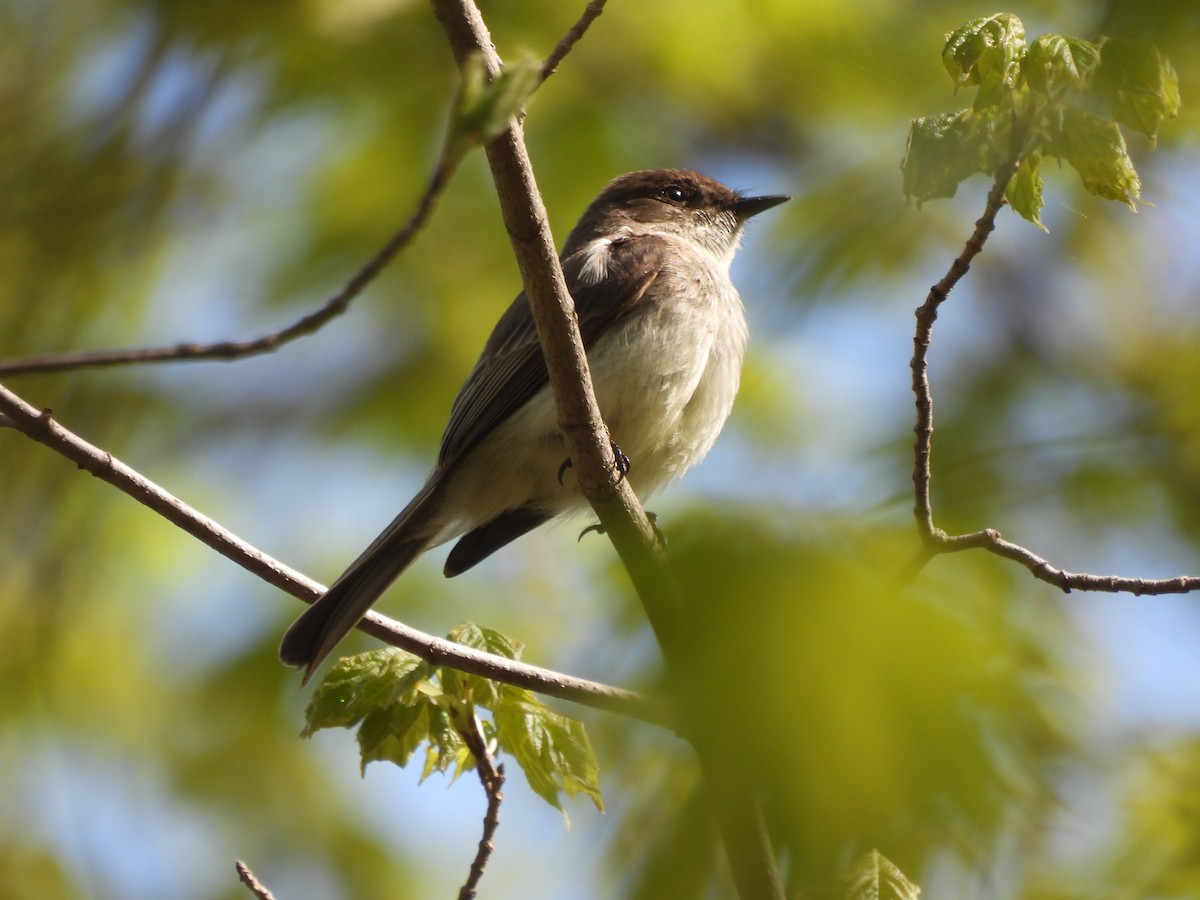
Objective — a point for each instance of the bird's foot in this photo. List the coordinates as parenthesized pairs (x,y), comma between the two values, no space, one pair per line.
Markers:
(623,465)
(653,517)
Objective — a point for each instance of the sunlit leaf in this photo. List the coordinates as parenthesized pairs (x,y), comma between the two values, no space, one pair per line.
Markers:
(943,150)
(399,703)
(483,109)
(986,52)
(1025,190)
(1140,83)
(1055,63)
(446,746)
(1095,148)
(553,751)
(393,733)
(488,640)
(357,685)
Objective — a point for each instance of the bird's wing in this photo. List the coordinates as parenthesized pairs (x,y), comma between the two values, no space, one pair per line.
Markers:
(606,281)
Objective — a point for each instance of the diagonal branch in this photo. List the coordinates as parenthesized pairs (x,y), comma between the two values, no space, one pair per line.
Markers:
(571,38)
(191,351)
(936,541)
(752,860)
(231,350)
(41,427)
(588,443)
(248,878)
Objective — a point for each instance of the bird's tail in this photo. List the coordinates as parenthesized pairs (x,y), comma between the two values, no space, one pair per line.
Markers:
(319,628)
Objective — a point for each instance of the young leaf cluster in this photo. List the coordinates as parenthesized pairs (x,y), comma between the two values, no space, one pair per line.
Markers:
(401,704)
(1060,97)
(482,109)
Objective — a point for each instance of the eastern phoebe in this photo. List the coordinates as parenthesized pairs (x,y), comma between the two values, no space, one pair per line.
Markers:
(664,330)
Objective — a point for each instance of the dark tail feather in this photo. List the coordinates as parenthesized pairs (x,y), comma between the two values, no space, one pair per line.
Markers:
(312,636)
(485,540)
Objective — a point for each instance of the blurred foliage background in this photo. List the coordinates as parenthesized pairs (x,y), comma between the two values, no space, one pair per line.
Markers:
(196,171)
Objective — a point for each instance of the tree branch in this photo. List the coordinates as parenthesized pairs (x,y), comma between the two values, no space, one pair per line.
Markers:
(936,541)
(926,316)
(553,310)
(571,38)
(41,427)
(751,855)
(491,776)
(312,322)
(990,540)
(257,888)
(232,350)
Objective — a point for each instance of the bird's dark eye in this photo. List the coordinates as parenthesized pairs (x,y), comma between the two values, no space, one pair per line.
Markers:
(672,193)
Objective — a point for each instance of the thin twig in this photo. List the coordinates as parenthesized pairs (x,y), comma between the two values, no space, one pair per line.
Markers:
(936,541)
(990,540)
(249,880)
(42,427)
(926,316)
(491,776)
(191,351)
(590,14)
(231,350)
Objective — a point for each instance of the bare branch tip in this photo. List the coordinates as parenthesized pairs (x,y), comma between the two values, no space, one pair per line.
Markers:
(248,878)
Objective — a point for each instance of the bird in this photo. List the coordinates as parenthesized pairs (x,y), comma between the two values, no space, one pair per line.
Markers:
(665,333)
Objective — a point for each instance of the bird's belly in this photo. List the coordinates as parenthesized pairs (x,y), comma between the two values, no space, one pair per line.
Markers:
(665,382)
(665,385)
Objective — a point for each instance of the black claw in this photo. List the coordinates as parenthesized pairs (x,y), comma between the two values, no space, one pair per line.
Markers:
(658,532)
(598,528)
(623,463)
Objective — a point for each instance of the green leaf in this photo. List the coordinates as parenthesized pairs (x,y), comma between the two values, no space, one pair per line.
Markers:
(1025,190)
(393,734)
(1139,83)
(987,52)
(446,746)
(1095,148)
(875,877)
(1055,63)
(403,702)
(475,689)
(483,109)
(358,685)
(942,151)
(487,639)
(553,751)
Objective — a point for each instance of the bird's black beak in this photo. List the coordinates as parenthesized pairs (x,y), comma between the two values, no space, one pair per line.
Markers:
(745,207)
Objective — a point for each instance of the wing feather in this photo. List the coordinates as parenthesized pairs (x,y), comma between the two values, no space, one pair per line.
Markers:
(607,280)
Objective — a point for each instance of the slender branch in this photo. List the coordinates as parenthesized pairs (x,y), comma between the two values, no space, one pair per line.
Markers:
(491,776)
(337,304)
(936,541)
(41,427)
(990,540)
(231,350)
(926,316)
(257,888)
(571,38)
(586,435)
